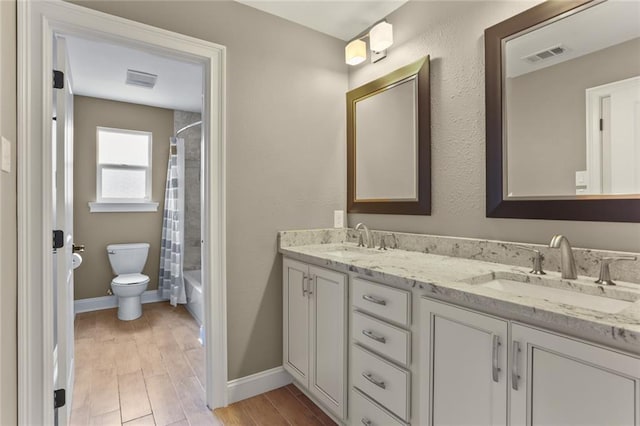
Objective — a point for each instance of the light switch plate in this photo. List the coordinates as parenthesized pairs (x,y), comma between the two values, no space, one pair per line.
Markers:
(581,178)
(338,218)
(6,155)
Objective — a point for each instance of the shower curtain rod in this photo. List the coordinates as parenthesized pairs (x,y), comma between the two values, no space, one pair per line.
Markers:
(187,127)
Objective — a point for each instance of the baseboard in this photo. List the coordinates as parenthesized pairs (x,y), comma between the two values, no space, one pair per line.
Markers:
(108,302)
(255,384)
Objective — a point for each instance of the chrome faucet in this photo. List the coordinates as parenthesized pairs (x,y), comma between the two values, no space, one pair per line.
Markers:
(567,262)
(362,227)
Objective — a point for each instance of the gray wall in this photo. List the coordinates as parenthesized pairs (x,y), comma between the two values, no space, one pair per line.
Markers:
(285,151)
(97,230)
(8,222)
(452,33)
(547,121)
(192,144)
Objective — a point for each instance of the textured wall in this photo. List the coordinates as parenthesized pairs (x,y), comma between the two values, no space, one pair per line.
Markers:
(452,33)
(192,144)
(97,230)
(547,120)
(286,88)
(8,220)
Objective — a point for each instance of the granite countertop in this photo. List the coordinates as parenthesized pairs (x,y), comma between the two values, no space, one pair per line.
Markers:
(457,280)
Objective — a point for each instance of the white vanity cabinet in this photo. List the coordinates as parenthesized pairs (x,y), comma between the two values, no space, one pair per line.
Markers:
(315,332)
(556,380)
(465,355)
(478,375)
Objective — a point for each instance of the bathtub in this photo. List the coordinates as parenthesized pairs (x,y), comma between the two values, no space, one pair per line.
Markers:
(195,297)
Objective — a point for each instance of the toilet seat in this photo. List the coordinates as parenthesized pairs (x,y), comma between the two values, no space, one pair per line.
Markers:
(128,279)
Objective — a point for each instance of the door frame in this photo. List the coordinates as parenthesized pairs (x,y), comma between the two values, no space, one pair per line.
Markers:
(593,96)
(38,22)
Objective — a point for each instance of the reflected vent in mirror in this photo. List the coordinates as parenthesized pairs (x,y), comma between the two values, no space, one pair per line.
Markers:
(545,54)
(141,79)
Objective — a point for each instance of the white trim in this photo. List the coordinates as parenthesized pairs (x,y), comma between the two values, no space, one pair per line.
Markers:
(38,22)
(106,207)
(109,302)
(255,384)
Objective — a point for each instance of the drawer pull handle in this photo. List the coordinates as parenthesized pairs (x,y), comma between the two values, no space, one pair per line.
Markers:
(494,359)
(366,422)
(378,383)
(304,287)
(373,336)
(514,364)
(375,300)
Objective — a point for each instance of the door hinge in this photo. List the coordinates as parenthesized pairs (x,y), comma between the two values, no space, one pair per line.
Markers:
(58,239)
(601,124)
(58,79)
(59,398)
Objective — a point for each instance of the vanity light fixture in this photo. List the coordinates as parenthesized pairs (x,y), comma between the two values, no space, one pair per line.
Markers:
(380,38)
(355,52)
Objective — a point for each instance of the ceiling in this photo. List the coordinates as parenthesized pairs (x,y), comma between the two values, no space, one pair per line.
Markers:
(590,30)
(99,69)
(343,19)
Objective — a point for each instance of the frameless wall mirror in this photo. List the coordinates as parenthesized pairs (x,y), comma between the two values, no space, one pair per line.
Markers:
(563,112)
(388,143)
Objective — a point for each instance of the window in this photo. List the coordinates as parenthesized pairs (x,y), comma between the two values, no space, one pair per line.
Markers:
(123,171)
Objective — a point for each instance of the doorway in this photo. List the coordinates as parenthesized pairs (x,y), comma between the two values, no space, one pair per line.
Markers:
(39,23)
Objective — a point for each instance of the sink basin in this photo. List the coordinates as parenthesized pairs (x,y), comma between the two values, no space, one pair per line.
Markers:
(580,294)
(351,251)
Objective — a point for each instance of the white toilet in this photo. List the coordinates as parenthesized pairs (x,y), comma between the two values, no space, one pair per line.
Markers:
(127,262)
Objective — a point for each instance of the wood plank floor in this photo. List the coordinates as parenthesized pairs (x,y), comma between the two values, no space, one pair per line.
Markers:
(283,406)
(141,372)
(150,372)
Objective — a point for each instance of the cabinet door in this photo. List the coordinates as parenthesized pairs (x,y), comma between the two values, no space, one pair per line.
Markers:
(466,355)
(295,320)
(557,380)
(329,338)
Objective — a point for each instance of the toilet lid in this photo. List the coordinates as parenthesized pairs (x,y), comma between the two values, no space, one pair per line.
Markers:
(130,279)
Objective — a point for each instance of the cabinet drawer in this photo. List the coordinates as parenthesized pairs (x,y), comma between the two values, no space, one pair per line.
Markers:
(381,300)
(365,412)
(382,381)
(392,342)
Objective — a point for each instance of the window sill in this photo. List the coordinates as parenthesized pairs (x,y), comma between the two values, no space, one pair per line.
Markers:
(97,207)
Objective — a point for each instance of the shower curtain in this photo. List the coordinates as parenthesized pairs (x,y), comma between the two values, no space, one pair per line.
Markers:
(171,285)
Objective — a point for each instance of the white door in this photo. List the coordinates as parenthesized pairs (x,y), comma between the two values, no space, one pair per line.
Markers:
(328,295)
(466,355)
(561,381)
(296,320)
(63,220)
(613,137)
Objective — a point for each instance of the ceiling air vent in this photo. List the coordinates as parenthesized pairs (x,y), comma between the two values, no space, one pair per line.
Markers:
(545,54)
(141,79)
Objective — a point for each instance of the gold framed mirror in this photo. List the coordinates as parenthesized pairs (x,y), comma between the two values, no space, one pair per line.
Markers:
(389,143)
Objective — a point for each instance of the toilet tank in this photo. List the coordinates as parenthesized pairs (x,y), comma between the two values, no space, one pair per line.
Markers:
(127,258)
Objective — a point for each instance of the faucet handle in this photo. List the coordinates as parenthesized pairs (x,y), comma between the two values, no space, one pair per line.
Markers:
(537,259)
(383,241)
(383,244)
(605,274)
